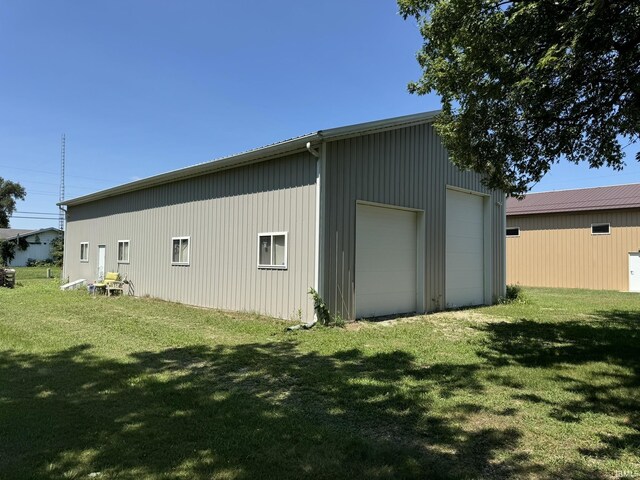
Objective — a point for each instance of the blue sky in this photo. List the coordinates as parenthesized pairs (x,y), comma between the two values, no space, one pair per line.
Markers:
(144,87)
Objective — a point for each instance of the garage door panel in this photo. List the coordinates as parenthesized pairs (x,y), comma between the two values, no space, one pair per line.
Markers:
(467,260)
(464,220)
(381,285)
(464,229)
(386,247)
(470,293)
(469,281)
(379,304)
(457,245)
(464,257)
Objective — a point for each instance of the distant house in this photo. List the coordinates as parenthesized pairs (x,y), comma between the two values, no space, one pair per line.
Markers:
(39,242)
(584,238)
(374,216)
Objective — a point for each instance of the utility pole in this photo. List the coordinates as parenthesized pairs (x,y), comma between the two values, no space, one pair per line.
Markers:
(61,217)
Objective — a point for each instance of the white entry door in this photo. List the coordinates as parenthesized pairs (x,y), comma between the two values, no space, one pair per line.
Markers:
(634,272)
(386,262)
(102,256)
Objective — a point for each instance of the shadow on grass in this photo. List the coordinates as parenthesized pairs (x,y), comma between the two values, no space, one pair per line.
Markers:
(250,411)
(611,336)
(606,343)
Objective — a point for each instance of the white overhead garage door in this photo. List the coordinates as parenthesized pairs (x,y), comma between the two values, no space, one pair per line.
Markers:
(386,248)
(464,250)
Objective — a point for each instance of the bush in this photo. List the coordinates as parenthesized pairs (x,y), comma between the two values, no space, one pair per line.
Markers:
(57,250)
(514,295)
(32,262)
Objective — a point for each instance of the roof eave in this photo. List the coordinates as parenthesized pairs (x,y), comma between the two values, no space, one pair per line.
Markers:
(246,158)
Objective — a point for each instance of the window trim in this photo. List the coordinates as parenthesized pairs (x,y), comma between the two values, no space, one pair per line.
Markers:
(184,237)
(85,259)
(512,228)
(128,242)
(608,232)
(286,251)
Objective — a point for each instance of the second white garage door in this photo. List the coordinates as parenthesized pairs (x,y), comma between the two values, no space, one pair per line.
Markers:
(386,248)
(465,249)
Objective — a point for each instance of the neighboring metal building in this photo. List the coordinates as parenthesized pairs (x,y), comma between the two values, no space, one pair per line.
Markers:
(585,238)
(374,216)
(38,241)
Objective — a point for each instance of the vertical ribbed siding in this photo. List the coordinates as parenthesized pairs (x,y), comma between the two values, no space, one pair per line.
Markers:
(406,167)
(223,213)
(558,250)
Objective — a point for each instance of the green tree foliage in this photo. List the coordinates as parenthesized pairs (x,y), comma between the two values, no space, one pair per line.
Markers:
(8,249)
(525,83)
(9,193)
(57,250)
(7,252)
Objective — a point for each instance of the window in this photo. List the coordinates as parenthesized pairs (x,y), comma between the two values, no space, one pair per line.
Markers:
(180,251)
(513,232)
(600,229)
(123,251)
(84,251)
(272,250)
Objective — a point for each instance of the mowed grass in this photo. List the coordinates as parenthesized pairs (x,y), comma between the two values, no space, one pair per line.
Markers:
(129,388)
(32,273)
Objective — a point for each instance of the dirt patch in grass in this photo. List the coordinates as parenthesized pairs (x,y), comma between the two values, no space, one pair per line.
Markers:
(451,325)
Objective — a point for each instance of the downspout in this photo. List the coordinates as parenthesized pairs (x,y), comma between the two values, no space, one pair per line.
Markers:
(313,151)
(504,245)
(320,155)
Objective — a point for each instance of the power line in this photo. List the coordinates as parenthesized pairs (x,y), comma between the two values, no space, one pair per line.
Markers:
(32,218)
(36,213)
(29,181)
(41,192)
(103,180)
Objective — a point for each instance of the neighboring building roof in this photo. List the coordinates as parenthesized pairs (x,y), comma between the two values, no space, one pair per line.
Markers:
(259,154)
(12,233)
(598,198)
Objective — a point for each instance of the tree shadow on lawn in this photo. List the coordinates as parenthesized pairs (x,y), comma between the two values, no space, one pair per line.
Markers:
(599,358)
(249,411)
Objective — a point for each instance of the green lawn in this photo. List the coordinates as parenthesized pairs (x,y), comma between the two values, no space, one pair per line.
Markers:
(31,273)
(127,388)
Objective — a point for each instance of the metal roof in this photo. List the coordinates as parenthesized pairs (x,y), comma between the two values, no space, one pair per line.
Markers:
(11,233)
(292,145)
(583,199)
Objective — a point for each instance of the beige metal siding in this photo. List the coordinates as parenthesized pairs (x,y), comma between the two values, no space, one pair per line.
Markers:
(223,213)
(406,167)
(558,250)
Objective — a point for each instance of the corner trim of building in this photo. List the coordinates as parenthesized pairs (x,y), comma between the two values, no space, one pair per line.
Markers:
(321,165)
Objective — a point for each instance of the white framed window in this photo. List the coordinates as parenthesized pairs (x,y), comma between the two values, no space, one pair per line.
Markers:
(513,231)
(600,229)
(180,247)
(84,251)
(272,250)
(123,251)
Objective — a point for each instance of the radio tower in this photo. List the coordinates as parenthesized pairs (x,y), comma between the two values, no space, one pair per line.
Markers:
(62,212)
